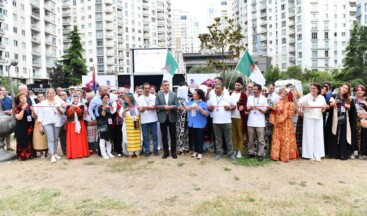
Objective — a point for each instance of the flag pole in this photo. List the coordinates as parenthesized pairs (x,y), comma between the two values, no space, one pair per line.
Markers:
(230,80)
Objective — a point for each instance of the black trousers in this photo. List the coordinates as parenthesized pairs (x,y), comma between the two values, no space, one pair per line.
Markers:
(116,137)
(172,132)
(62,136)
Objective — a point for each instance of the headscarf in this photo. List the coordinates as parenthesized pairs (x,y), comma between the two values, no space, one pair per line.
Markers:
(182,92)
(77,123)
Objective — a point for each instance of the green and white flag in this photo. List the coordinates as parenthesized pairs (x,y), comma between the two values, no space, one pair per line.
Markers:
(248,67)
(171,64)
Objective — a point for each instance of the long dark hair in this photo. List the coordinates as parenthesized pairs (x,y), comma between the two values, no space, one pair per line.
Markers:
(348,94)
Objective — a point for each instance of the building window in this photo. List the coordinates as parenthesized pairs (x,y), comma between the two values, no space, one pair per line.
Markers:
(343,34)
(100,60)
(314,44)
(326,53)
(314,35)
(314,54)
(326,35)
(314,63)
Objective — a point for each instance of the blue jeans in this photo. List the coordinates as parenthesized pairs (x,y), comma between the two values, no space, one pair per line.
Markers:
(146,141)
(52,134)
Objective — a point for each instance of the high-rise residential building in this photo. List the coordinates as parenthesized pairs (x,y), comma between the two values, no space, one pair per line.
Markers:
(30,32)
(361,13)
(312,34)
(221,9)
(185,30)
(110,28)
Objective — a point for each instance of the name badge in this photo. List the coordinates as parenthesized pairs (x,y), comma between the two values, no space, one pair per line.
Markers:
(342,109)
(109,121)
(29,118)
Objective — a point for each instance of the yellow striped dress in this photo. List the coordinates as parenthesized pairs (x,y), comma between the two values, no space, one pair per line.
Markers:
(132,134)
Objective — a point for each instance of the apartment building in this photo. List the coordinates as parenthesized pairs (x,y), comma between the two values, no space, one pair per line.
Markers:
(30,32)
(110,28)
(310,33)
(185,29)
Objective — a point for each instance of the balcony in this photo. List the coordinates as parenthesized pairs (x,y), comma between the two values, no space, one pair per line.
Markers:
(51,43)
(292,59)
(291,31)
(37,75)
(50,18)
(146,35)
(110,62)
(2,60)
(35,15)
(36,52)
(66,22)
(2,31)
(50,55)
(35,3)
(66,13)
(51,31)
(36,40)
(291,14)
(111,52)
(1,3)
(110,44)
(292,41)
(146,12)
(2,17)
(291,23)
(110,36)
(109,18)
(263,38)
(36,63)
(50,7)
(109,10)
(35,27)
(108,2)
(291,49)
(65,5)
(262,15)
(109,27)
(66,31)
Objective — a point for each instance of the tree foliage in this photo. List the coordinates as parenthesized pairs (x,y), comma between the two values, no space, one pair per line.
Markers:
(58,78)
(272,75)
(203,69)
(73,63)
(225,41)
(354,64)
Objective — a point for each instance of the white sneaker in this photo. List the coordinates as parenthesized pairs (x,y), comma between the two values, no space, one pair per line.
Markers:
(318,159)
(53,159)
(105,157)
(239,155)
(57,157)
(313,159)
(111,155)
(43,155)
(352,156)
(119,155)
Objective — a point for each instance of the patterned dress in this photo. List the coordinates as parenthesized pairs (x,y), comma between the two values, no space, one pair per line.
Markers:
(283,146)
(131,134)
(24,134)
(182,130)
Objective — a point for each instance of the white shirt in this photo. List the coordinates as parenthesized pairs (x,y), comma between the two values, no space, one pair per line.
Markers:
(255,117)
(235,98)
(147,116)
(212,93)
(309,100)
(47,113)
(274,97)
(166,97)
(220,115)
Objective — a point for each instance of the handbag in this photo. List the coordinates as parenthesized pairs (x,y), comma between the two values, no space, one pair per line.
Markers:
(102,126)
(341,119)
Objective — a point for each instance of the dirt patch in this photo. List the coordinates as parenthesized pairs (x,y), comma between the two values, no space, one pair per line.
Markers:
(186,186)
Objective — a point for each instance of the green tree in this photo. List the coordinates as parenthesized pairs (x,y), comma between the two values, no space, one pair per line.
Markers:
(58,77)
(293,72)
(354,64)
(272,75)
(73,63)
(227,41)
(203,69)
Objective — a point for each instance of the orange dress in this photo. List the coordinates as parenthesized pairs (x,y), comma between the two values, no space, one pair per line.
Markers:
(76,143)
(283,146)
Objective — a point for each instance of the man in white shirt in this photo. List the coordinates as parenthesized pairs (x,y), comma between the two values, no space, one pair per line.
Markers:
(221,106)
(240,99)
(148,119)
(274,97)
(256,106)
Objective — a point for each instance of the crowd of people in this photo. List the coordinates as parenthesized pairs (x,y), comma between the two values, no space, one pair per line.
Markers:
(251,121)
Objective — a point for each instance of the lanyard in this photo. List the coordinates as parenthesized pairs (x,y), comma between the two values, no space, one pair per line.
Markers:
(257,101)
(219,100)
(147,101)
(53,107)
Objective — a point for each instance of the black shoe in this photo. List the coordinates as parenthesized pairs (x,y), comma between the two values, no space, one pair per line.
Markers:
(156,153)
(225,153)
(250,156)
(147,154)
(174,156)
(165,155)
(260,158)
